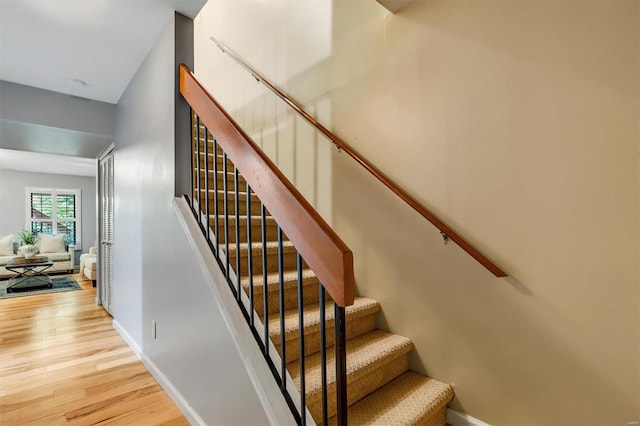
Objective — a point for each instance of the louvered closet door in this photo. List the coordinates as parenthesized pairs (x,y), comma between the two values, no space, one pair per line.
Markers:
(106,231)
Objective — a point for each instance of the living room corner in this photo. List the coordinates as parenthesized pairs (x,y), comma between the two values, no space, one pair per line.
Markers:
(53,201)
(16,195)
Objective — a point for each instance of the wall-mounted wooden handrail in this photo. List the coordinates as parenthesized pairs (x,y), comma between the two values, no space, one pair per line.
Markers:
(388,182)
(322,249)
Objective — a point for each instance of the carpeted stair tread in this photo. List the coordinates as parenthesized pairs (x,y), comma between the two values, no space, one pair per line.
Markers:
(360,308)
(411,399)
(290,279)
(242,195)
(211,166)
(231,175)
(365,353)
(210,155)
(272,247)
(242,250)
(219,197)
(271,227)
(243,219)
(242,183)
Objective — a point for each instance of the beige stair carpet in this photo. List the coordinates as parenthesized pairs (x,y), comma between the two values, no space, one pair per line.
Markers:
(381,390)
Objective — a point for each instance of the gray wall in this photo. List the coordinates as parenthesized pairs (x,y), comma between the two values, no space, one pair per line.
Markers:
(155,274)
(39,120)
(12,202)
(27,104)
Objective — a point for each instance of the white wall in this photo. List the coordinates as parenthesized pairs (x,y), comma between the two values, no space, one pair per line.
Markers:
(517,122)
(155,274)
(12,201)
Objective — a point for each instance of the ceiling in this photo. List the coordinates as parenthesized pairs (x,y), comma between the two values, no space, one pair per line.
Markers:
(86,48)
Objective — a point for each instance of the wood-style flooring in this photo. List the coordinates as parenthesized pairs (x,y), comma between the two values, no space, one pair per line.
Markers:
(61,362)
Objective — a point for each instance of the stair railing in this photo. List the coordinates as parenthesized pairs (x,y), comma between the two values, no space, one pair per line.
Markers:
(446,231)
(220,145)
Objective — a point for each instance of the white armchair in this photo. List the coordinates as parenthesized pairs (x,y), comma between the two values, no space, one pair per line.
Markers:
(89,265)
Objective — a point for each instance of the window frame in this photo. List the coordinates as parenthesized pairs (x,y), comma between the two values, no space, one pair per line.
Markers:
(54,192)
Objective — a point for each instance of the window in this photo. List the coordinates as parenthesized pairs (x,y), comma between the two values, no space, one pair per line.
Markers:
(54,211)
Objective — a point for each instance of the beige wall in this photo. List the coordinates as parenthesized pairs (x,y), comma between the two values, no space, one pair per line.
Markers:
(517,122)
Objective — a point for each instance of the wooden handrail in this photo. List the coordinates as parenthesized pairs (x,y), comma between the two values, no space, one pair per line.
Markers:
(321,248)
(446,230)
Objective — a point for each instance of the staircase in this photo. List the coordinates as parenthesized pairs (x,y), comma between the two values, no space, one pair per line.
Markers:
(380,387)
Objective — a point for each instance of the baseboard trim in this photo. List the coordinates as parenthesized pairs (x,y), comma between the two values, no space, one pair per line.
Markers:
(162,380)
(456,418)
(127,338)
(187,410)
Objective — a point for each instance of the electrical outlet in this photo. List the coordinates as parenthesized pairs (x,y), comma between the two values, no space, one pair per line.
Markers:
(153,329)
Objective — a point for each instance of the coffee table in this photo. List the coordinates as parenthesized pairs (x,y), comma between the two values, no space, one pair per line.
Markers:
(29,275)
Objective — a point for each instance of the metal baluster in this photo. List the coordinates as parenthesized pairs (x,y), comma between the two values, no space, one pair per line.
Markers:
(237,228)
(192,168)
(206,181)
(265,283)
(198,177)
(283,353)
(250,255)
(303,416)
(341,364)
(215,191)
(226,215)
(198,170)
(323,356)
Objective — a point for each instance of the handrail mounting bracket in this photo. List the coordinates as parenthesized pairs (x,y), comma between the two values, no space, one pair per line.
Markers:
(445,237)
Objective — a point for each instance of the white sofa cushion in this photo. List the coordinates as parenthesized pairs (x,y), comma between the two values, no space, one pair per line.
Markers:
(52,243)
(5,259)
(57,257)
(6,245)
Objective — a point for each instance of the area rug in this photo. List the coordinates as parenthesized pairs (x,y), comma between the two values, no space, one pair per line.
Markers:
(60,284)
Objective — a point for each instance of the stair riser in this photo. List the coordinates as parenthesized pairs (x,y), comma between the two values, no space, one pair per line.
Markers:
(242,188)
(193,142)
(290,298)
(202,127)
(361,387)
(242,184)
(202,145)
(256,231)
(355,327)
(220,160)
(231,204)
(289,262)
(209,136)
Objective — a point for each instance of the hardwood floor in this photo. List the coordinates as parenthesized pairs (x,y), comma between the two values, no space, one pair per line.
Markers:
(61,362)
